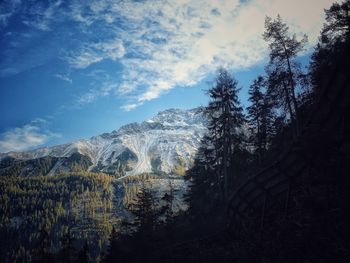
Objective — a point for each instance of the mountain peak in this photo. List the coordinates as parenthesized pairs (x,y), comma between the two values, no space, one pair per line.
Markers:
(164,143)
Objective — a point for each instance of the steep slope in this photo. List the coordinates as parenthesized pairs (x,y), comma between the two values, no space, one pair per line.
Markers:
(163,144)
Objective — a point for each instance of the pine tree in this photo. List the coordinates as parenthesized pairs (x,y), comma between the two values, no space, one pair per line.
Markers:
(168,198)
(284,71)
(225,121)
(68,252)
(202,178)
(333,47)
(112,252)
(145,210)
(337,26)
(260,116)
(83,254)
(43,253)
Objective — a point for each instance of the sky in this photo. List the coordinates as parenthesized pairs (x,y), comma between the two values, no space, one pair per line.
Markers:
(74,69)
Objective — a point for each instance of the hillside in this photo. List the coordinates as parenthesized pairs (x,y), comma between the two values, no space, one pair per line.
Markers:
(166,143)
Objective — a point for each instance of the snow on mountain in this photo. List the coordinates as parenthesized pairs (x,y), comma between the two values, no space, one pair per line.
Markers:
(166,143)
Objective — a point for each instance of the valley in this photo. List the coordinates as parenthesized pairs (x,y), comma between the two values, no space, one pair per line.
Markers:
(97,166)
(81,190)
(43,212)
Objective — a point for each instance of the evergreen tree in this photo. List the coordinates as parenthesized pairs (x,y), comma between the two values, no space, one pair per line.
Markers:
(204,193)
(337,26)
(225,121)
(168,208)
(83,254)
(333,43)
(68,252)
(284,72)
(43,254)
(112,250)
(145,210)
(260,116)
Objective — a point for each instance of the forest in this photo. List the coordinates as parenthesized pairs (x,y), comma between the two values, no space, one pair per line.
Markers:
(40,215)
(270,183)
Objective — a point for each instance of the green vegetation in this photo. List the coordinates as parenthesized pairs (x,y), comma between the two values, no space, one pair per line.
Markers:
(42,166)
(77,162)
(293,166)
(126,158)
(150,216)
(278,195)
(37,212)
(123,163)
(180,168)
(156,164)
(132,185)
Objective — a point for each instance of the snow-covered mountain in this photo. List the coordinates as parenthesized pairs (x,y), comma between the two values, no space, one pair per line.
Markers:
(166,143)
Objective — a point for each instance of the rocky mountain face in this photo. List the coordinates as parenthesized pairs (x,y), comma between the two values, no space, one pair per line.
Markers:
(167,143)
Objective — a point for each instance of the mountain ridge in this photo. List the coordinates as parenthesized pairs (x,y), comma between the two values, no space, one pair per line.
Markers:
(160,144)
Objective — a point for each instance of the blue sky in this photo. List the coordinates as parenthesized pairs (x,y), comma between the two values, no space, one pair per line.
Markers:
(74,69)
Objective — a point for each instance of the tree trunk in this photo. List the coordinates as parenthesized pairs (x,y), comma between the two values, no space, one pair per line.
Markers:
(296,109)
(293,97)
(259,140)
(285,88)
(225,150)
(225,172)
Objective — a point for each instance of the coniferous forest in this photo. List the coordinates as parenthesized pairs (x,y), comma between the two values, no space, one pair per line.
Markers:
(270,181)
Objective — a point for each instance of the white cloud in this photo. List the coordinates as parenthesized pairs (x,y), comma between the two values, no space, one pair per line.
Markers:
(88,97)
(42,17)
(112,49)
(7,9)
(96,52)
(4,18)
(106,87)
(85,58)
(177,43)
(26,137)
(131,106)
(64,77)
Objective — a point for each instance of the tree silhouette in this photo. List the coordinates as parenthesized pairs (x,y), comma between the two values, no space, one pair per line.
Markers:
(68,252)
(260,116)
(333,43)
(112,252)
(337,25)
(168,208)
(83,254)
(225,122)
(284,72)
(145,210)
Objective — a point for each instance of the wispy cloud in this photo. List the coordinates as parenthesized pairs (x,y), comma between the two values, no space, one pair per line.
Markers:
(7,9)
(87,97)
(102,85)
(177,43)
(129,107)
(26,137)
(160,44)
(96,52)
(4,18)
(42,16)
(26,30)
(64,77)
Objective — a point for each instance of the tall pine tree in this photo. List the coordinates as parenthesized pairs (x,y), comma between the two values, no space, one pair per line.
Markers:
(225,122)
(334,43)
(145,210)
(284,71)
(260,116)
